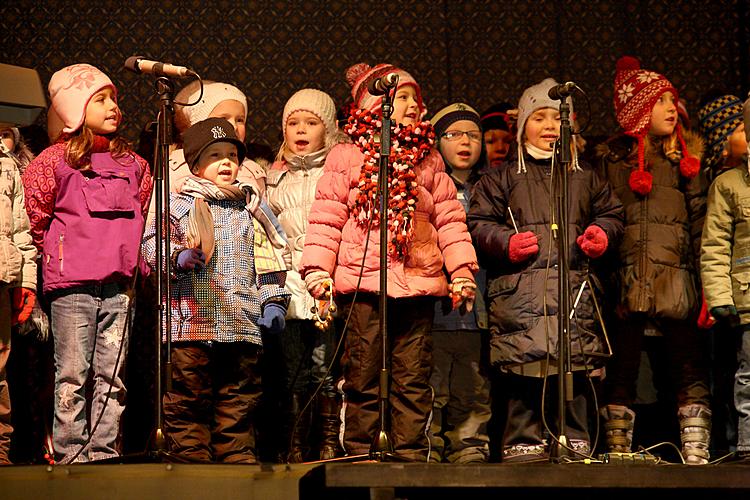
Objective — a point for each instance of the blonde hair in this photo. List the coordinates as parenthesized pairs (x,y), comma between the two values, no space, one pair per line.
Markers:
(669,144)
(79,145)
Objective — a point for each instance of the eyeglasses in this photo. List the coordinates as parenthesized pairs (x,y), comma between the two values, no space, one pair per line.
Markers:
(456,135)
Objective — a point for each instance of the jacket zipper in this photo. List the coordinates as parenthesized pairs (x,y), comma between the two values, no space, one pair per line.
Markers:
(644,237)
(60,252)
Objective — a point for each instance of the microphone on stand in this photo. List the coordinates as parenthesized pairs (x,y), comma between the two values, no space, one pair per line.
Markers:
(561,91)
(138,64)
(381,85)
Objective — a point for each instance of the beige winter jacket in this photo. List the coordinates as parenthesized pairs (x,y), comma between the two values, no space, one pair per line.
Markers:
(725,249)
(17,253)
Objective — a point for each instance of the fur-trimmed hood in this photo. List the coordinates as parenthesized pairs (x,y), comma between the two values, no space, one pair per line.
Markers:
(623,146)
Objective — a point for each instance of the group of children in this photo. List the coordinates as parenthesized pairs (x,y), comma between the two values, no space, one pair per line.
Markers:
(256,253)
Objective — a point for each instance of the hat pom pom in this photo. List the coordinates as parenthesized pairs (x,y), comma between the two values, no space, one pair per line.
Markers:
(689,166)
(628,63)
(355,72)
(640,182)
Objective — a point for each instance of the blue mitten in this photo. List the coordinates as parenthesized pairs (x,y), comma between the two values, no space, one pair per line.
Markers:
(272,318)
(192,258)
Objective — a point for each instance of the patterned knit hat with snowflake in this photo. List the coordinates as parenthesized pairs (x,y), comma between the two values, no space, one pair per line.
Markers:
(360,75)
(636,92)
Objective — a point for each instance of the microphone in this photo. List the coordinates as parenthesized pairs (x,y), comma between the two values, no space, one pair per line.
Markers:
(561,91)
(380,86)
(138,64)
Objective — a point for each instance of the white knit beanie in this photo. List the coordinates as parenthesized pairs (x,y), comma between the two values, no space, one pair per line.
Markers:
(533,98)
(70,90)
(213,94)
(316,102)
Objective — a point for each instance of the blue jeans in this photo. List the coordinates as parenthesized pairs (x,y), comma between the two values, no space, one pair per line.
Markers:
(88,324)
(742,390)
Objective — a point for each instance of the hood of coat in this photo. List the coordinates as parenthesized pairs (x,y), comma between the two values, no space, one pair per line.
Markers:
(622,147)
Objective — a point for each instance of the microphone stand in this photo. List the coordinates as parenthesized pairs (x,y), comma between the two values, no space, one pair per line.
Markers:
(564,370)
(165,91)
(382,446)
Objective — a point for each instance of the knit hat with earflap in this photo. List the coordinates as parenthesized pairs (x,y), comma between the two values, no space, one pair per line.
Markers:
(71,89)
(534,98)
(214,93)
(316,102)
(360,75)
(719,118)
(636,93)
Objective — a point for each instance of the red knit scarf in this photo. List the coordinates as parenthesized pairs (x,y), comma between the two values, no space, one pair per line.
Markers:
(410,145)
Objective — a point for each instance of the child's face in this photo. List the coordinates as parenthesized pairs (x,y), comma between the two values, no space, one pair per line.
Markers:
(405,106)
(234,112)
(305,133)
(102,113)
(497,144)
(543,128)
(736,148)
(6,135)
(218,163)
(664,116)
(461,144)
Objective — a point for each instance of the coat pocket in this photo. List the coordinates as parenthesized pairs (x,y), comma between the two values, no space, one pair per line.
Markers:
(741,290)
(424,257)
(509,309)
(10,261)
(109,193)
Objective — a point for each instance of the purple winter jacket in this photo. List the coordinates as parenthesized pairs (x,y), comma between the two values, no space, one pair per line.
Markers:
(95,230)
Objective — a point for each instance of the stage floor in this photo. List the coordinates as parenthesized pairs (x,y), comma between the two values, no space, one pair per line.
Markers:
(369,480)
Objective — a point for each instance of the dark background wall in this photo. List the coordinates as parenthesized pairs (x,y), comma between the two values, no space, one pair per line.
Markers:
(479,51)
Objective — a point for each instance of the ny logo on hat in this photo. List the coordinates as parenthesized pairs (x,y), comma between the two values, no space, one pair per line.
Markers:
(218,132)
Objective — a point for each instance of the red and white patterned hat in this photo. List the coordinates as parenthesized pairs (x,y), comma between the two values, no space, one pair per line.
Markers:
(360,75)
(636,92)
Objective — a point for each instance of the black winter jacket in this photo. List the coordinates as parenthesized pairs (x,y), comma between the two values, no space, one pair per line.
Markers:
(521,330)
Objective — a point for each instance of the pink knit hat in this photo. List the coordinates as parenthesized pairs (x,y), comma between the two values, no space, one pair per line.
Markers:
(636,94)
(70,90)
(360,75)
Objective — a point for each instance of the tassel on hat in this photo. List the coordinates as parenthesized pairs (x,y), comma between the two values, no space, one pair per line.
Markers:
(636,92)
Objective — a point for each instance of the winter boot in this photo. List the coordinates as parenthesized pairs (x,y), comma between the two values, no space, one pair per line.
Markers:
(330,425)
(298,436)
(695,433)
(618,423)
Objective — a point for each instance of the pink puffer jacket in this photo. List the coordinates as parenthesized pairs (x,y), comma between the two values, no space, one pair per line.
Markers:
(335,242)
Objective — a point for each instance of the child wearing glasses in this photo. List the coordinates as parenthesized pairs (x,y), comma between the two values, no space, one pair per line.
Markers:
(511,219)
(429,253)
(461,407)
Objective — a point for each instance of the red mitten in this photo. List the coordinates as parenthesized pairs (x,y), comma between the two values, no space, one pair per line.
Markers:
(522,246)
(705,320)
(593,241)
(22,302)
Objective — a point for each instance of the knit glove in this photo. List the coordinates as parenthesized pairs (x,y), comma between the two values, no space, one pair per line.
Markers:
(463,293)
(726,316)
(522,246)
(705,320)
(593,241)
(315,281)
(22,302)
(272,319)
(192,258)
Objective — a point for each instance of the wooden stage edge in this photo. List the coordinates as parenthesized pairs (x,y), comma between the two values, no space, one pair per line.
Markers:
(165,481)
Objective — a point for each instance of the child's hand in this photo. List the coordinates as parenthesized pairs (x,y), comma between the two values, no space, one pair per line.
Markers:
(463,293)
(726,316)
(192,258)
(593,241)
(522,246)
(315,281)
(272,319)
(22,302)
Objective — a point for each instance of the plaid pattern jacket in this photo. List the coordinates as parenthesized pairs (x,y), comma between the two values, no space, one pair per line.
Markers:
(223,301)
